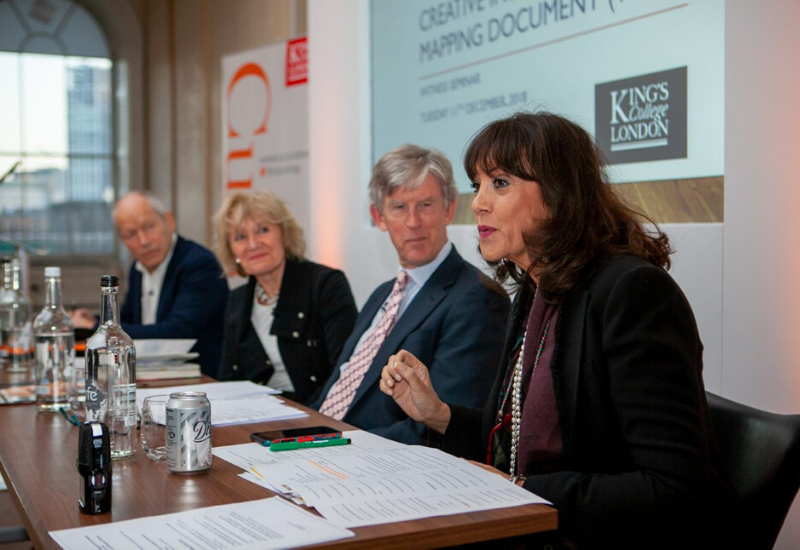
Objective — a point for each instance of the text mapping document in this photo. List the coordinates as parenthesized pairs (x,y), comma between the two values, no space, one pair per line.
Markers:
(253,457)
(369,483)
(268,523)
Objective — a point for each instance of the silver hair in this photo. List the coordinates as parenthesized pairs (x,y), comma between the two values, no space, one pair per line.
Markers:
(408,166)
(154,202)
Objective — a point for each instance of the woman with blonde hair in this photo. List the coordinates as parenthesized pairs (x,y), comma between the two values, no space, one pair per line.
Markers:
(286,327)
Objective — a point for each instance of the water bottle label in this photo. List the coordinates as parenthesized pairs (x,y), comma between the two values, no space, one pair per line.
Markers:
(125,395)
(42,389)
(95,397)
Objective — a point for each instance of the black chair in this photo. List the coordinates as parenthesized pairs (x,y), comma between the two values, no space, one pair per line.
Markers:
(13,534)
(761,453)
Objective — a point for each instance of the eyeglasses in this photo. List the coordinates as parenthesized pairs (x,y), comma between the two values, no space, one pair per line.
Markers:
(149,229)
(401,210)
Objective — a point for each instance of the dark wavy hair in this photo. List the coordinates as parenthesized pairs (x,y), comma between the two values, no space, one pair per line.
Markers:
(587,221)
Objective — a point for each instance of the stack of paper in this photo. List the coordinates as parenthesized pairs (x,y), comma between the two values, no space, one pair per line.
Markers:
(162,347)
(159,359)
(234,402)
(374,481)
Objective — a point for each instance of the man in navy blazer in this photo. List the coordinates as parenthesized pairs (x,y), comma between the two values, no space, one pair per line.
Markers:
(450,314)
(175,286)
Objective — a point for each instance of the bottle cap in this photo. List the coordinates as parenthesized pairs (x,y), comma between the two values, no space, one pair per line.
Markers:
(52,272)
(109,280)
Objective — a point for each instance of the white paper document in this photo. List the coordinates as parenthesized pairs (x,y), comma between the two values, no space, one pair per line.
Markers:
(234,402)
(268,523)
(214,391)
(254,409)
(376,511)
(374,481)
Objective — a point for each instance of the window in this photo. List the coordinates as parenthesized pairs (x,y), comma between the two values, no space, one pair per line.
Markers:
(56,128)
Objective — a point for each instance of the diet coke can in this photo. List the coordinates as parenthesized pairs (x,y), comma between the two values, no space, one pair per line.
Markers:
(188,432)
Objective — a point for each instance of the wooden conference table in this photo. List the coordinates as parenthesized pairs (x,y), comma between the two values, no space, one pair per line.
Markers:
(37,458)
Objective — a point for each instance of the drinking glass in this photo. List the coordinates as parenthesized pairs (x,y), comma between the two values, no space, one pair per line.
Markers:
(76,390)
(153,427)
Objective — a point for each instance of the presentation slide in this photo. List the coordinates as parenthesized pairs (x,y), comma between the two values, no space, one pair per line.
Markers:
(645,77)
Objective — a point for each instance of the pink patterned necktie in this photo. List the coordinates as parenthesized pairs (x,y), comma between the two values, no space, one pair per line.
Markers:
(344,390)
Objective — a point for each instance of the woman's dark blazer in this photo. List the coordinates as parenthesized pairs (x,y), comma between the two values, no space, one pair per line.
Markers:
(641,468)
(314,317)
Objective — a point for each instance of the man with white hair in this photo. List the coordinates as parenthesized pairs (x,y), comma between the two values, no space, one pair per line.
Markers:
(175,286)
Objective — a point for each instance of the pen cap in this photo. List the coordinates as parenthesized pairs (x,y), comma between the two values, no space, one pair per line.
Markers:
(94,448)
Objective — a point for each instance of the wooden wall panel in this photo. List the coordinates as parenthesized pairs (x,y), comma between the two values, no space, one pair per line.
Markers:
(696,200)
(185,41)
(159,113)
(190,88)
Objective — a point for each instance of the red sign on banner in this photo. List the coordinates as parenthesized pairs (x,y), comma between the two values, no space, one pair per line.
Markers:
(297,61)
(265,123)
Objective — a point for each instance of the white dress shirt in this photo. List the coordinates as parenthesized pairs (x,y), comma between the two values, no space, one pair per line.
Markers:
(262,317)
(151,285)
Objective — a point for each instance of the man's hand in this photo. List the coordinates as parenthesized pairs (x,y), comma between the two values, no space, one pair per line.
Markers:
(81,318)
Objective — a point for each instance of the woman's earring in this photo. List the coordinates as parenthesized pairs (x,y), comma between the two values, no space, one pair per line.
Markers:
(239,269)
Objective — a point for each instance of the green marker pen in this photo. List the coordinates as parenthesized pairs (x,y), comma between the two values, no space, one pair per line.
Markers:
(295,445)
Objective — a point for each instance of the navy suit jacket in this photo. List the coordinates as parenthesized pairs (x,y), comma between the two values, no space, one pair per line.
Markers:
(455,325)
(191,304)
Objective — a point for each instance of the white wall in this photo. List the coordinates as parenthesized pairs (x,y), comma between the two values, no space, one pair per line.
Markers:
(740,277)
(762,195)
(697,266)
(761,291)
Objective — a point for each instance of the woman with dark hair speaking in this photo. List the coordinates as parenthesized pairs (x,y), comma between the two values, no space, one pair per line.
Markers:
(600,405)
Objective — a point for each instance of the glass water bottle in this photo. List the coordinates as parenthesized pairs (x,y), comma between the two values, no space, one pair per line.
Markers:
(111,374)
(16,332)
(54,346)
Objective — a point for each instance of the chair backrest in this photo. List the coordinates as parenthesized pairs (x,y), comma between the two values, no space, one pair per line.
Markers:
(761,454)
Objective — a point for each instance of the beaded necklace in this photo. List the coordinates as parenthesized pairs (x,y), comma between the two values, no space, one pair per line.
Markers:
(263,298)
(515,389)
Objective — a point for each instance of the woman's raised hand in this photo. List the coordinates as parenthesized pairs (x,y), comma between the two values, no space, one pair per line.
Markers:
(408,382)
